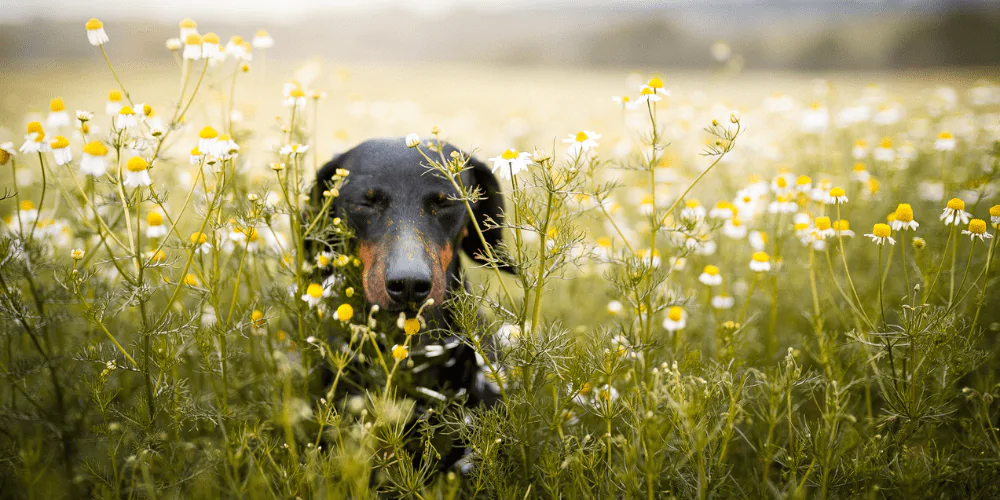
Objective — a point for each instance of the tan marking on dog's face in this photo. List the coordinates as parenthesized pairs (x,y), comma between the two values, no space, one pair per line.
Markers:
(373,261)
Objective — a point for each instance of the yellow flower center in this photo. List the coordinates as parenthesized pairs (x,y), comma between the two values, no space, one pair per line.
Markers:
(115,96)
(147,110)
(399,352)
(59,142)
(675,313)
(137,164)
(315,290)
(126,111)
(605,242)
(837,192)
(323,260)
(510,154)
(345,312)
(193,39)
(885,143)
(822,223)
(261,33)
(945,135)
(995,211)
(977,226)
(57,104)
(581,136)
(801,226)
(861,143)
(904,212)
(956,204)
(27,205)
(208,133)
(781,182)
(411,326)
(95,148)
(859,167)
(210,38)
(199,238)
(35,128)
(94,24)
(154,219)
(655,83)
(881,230)
(188,23)
(842,225)
(712,270)
(190,280)
(692,204)
(761,257)
(297,92)
(256,316)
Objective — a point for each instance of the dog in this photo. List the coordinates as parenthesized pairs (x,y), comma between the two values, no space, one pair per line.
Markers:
(408,226)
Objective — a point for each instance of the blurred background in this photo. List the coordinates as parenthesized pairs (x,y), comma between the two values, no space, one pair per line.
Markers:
(633,34)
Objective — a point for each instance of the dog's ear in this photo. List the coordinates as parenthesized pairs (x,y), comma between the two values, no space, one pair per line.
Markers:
(488,211)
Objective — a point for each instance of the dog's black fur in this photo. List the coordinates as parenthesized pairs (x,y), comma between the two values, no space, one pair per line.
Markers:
(407,224)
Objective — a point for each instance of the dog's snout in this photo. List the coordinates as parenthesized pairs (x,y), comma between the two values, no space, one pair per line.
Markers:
(409,276)
(409,289)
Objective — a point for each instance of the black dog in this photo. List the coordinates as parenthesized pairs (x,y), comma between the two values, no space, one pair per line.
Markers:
(407,226)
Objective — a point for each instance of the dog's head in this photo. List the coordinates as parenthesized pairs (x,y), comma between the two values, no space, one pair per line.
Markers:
(406,220)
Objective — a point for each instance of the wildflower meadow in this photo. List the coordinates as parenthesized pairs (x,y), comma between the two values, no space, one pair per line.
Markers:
(779,292)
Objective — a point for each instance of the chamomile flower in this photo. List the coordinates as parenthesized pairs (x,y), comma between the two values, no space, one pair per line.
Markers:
(34,140)
(192,47)
(582,142)
(884,151)
(995,215)
(860,149)
(94,159)
(758,240)
(904,218)
(977,229)
(723,301)
(262,40)
(648,258)
(315,293)
(196,156)
(836,196)
(881,233)
(412,140)
(710,276)
(236,48)
(58,116)
(210,46)
(188,27)
(295,97)
(954,213)
(625,102)
(734,229)
(723,210)
(60,150)
(154,225)
(760,262)
(323,259)
(7,151)
(27,211)
(860,173)
(208,138)
(823,228)
(510,163)
(676,319)
(816,119)
(225,147)
(95,32)
(400,352)
(344,312)
(174,44)
(294,149)
(125,118)
(136,172)
(114,104)
(782,204)
(803,184)
(200,242)
(654,87)
(843,228)
(615,307)
(945,142)
(693,211)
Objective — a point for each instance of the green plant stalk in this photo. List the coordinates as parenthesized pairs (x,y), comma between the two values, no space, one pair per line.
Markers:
(954,256)
(536,311)
(41,200)
(986,273)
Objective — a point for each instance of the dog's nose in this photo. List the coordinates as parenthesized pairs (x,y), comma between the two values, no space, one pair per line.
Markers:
(409,287)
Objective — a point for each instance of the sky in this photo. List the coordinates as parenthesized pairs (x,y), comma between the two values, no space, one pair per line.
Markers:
(287,11)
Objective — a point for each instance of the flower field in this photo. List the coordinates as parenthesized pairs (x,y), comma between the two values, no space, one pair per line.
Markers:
(727,285)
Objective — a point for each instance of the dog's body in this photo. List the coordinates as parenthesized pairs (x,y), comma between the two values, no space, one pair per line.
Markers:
(407,224)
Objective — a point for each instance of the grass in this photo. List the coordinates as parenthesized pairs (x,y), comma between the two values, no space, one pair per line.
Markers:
(845,369)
